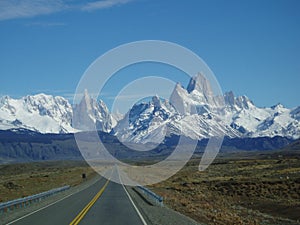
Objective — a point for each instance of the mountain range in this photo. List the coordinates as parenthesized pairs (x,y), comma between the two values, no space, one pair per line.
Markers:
(192,111)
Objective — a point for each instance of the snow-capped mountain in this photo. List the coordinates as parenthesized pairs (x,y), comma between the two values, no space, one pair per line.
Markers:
(90,113)
(42,113)
(196,113)
(193,112)
(253,121)
(190,112)
(152,121)
(146,122)
(48,114)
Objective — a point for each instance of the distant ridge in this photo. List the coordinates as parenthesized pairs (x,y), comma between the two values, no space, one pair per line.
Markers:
(24,145)
(193,112)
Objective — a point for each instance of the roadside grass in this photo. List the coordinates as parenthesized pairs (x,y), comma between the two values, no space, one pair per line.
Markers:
(256,189)
(238,188)
(25,179)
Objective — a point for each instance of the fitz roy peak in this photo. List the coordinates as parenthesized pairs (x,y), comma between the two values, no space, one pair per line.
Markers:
(192,111)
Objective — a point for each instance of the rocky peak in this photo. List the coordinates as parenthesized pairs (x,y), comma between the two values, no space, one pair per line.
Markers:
(86,100)
(295,113)
(229,98)
(277,106)
(240,102)
(90,113)
(177,98)
(244,102)
(156,101)
(201,84)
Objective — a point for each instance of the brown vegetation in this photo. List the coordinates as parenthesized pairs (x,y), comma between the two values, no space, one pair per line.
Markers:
(21,180)
(239,188)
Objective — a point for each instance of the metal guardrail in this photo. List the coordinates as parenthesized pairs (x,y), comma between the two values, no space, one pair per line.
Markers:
(156,198)
(23,202)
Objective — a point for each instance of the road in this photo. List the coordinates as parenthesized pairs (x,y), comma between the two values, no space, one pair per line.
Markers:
(104,202)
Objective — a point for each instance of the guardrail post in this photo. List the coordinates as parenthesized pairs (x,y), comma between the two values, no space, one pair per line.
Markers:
(157,199)
(5,207)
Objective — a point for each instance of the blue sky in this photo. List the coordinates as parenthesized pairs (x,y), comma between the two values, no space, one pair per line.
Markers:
(253,47)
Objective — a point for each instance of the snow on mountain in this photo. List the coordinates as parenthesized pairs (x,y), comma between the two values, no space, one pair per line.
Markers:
(280,122)
(202,126)
(145,122)
(193,111)
(252,121)
(295,113)
(196,113)
(116,117)
(152,121)
(43,113)
(90,113)
(47,114)
(198,98)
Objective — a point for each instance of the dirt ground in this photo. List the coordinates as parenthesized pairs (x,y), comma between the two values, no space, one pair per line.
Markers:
(240,188)
(25,179)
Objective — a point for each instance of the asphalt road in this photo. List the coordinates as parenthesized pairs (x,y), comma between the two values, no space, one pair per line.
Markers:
(101,203)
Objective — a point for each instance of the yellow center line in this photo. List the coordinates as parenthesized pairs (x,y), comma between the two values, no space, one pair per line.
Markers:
(83,212)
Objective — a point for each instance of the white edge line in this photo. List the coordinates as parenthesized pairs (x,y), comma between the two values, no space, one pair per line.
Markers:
(29,214)
(135,207)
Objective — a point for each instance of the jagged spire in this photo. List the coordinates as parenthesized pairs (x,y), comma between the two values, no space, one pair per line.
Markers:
(156,101)
(199,83)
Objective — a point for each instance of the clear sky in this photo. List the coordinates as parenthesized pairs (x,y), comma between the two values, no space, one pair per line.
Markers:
(253,47)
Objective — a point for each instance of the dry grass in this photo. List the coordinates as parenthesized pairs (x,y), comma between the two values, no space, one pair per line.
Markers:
(261,190)
(20,180)
(235,189)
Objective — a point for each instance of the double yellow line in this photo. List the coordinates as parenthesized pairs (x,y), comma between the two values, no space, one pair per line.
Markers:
(83,212)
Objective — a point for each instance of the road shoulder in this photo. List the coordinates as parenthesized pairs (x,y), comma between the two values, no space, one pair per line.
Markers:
(21,212)
(158,215)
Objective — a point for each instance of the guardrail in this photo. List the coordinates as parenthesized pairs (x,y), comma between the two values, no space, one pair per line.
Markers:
(151,195)
(23,202)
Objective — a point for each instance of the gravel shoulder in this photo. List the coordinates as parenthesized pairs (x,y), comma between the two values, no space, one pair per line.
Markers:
(155,214)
